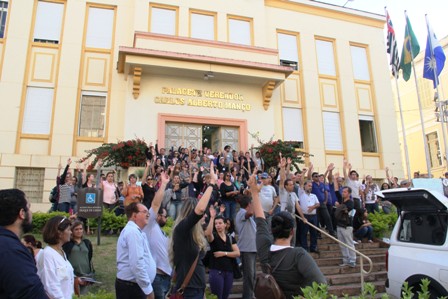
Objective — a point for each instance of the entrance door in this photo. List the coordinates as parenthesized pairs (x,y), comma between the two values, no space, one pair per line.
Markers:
(199,136)
(186,135)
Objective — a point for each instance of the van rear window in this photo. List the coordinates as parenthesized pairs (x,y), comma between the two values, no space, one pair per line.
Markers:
(423,228)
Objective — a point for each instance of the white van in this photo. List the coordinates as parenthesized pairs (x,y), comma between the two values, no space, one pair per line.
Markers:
(418,244)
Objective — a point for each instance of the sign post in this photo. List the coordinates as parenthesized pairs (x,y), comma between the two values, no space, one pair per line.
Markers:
(90,205)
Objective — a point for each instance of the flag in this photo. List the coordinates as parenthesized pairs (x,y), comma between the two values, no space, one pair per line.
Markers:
(392,47)
(434,58)
(411,48)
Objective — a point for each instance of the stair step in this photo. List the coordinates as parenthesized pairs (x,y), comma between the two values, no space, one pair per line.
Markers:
(378,258)
(350,278)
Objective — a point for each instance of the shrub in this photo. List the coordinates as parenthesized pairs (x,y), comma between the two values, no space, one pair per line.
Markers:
(101,294)
(39,220)
(382,223)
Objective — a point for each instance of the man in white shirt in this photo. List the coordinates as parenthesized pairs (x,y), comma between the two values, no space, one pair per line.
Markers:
(352,181)
(289,201)
(268,197)
(159,241)
(136,268)
(309,203)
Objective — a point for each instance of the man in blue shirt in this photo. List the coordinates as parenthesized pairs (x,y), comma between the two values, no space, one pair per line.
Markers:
(136,268)
(18,272)
(318,189)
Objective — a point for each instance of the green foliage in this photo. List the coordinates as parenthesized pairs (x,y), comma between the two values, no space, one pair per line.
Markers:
(209,295)
(39,220)
(271,149)
(124,154)
(382,223)
(320,291)
(316,291)
(168,228)
(101,294)
(110,221)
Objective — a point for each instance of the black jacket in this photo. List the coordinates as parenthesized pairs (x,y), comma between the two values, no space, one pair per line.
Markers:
(18,272)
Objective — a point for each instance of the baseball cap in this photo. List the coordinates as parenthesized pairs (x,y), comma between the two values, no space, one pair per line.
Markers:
(264,175)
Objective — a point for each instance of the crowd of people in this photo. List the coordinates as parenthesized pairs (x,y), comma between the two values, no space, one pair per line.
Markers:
(228,209)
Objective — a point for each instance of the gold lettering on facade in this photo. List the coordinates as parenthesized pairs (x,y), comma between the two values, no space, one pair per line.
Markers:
(202,98)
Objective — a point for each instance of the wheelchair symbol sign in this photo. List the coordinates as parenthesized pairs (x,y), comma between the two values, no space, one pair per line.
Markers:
(90,198)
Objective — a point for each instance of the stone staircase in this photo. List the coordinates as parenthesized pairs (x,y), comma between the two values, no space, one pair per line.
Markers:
(342,280)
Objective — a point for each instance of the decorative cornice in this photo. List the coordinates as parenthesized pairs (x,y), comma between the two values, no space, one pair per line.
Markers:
(268,89)
(137,79)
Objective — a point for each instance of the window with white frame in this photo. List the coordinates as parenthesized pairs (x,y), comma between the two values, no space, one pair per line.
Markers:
(202,26)
(434,149)
(332,131)
(31,181)
(240,31)
(47,28)
(368,134)
(325,58)
(92,115)
(100,28)
(292,124)
(359,63)
(288,50)
(163,20)
(3,17)
(38,108)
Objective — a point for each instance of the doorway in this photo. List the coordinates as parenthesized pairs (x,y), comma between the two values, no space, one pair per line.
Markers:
(200,136)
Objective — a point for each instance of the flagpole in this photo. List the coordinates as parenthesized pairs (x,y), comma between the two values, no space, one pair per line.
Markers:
(403,131)
(438,102)
(393,51)
(425,143)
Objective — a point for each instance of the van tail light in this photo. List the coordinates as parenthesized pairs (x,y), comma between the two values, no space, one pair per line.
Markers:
(387,260)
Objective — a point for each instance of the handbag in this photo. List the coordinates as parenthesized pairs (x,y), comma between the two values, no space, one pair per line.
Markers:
(236,270)
(265,285)
(179,293)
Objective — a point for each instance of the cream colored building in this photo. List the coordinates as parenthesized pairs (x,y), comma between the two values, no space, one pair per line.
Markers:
(412,120)
(75,74)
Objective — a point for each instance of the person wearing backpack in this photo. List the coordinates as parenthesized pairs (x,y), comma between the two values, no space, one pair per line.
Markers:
(293,267)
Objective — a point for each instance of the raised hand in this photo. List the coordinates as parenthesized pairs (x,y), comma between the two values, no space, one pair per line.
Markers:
(69,161)
(330,167)
(288,160)
(164,177)
(282,163)
(212,212)
(213,177)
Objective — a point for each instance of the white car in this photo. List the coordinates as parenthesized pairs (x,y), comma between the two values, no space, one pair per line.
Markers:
(418,244)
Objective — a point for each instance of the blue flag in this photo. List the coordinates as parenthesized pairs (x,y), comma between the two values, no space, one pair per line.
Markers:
(434,58)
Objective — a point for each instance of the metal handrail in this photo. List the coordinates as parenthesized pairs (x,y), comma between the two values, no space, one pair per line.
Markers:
(362,255)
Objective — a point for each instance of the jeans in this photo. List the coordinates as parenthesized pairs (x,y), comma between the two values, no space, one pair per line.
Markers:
(128,290)
(364,232)
(161,285)
(74,206)
(249,260)
(304,232)
(175,208)
(230,212)
(63,207)
(324,218)
(345,235)
(372,207)
(220,283)
(193,293)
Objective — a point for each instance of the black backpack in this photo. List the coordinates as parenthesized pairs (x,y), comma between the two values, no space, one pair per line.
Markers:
(54,194)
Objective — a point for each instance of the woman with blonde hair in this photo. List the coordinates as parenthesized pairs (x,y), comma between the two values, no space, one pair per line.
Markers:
(189,244)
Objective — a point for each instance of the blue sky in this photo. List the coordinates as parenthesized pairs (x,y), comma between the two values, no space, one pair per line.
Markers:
(437,11)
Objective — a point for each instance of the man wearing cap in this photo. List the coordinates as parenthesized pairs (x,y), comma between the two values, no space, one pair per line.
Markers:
(268,197)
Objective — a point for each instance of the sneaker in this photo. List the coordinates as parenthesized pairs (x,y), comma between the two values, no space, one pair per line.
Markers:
(315,251)
(343,265)
(355,243)
(370,241)
(352,265)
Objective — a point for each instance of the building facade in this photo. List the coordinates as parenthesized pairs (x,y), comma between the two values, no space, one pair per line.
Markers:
(76,74)
(431,120)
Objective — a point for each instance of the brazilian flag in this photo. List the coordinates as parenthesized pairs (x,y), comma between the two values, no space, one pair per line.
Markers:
(411,48)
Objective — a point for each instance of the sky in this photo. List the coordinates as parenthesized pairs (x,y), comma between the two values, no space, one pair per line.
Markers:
(437,11)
